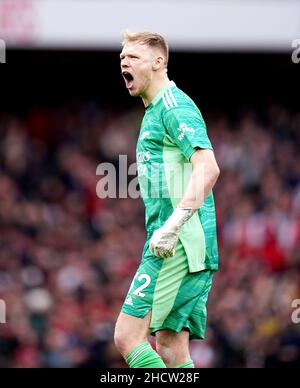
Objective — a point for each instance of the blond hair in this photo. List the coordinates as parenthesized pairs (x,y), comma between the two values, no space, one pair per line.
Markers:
(151,39)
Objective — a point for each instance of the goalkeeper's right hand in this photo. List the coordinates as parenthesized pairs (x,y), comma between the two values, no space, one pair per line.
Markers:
(164,240)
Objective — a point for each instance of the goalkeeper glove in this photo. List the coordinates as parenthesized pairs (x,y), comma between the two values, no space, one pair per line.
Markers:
(164,240)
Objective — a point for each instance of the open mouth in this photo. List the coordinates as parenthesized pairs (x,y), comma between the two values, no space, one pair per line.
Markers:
(128,79)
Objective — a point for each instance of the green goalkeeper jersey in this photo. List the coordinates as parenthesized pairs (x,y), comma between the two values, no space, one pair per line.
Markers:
(172,130)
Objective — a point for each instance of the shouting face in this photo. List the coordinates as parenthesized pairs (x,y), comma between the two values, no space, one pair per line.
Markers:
(137,67)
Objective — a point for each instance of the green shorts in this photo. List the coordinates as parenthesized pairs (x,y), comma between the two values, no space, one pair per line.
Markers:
(176,297)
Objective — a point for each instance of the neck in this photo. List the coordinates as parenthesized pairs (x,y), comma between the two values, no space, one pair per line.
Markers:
(154,88)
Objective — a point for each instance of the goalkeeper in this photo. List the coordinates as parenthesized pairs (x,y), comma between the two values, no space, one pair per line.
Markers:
(169,292)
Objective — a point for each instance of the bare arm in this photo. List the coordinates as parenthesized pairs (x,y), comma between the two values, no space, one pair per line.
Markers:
(204,176)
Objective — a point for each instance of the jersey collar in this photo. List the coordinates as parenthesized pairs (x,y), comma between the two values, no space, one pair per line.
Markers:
(161,93)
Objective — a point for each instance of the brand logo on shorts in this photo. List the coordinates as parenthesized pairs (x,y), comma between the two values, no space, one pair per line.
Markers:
(129,301)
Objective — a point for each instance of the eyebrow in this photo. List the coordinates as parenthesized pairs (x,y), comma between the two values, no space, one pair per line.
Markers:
(129,54)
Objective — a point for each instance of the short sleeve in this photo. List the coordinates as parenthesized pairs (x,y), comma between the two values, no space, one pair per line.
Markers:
(187,128)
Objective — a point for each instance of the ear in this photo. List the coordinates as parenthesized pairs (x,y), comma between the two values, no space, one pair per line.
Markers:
(158,63)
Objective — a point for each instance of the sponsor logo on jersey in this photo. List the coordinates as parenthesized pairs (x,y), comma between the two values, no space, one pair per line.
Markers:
(143,156)
(182,129)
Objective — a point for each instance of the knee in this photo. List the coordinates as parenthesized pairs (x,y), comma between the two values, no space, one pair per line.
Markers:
(126,338)
(167,353)
(121,340)
(173,349)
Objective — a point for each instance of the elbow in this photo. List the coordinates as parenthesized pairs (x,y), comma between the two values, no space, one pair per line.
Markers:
(215,173)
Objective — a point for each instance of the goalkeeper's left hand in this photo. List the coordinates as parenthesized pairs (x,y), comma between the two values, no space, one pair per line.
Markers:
(164,240)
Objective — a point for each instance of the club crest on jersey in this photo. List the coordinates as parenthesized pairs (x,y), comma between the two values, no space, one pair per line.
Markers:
(184,128)
(144,135)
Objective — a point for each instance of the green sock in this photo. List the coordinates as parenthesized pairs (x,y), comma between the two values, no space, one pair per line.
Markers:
(188,364)
(143,356)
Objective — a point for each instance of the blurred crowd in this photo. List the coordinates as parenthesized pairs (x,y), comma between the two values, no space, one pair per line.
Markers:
(67,257)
